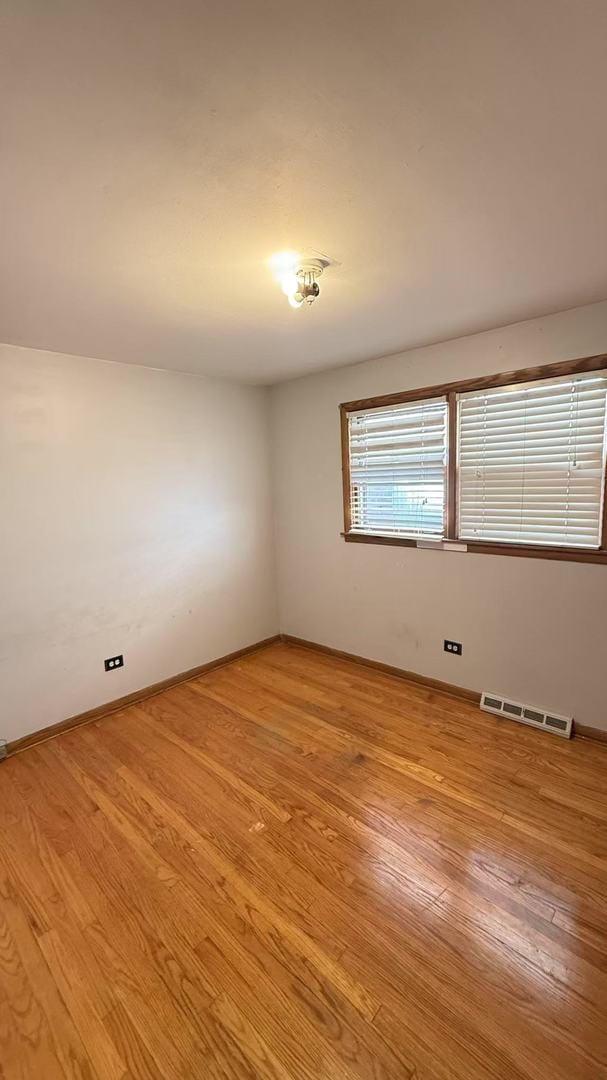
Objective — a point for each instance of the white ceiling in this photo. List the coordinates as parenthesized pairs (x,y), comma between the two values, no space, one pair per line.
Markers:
(451,154)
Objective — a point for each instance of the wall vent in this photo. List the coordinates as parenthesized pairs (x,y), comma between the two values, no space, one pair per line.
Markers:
(528,714)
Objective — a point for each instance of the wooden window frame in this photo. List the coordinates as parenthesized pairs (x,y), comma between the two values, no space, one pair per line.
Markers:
(450,391)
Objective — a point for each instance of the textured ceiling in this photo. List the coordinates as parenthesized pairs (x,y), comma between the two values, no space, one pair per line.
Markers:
(451,154)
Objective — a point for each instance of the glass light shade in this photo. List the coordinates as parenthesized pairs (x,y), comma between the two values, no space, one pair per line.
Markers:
(289,284)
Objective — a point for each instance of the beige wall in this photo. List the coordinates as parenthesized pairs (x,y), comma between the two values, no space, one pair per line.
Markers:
(532,629)
(135,519)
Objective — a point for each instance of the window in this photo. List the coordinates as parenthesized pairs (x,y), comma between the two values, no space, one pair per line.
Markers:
(511,464)
(531,462)
(398,461)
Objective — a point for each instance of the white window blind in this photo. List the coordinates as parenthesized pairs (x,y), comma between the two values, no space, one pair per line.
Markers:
(531,462)
(398,469)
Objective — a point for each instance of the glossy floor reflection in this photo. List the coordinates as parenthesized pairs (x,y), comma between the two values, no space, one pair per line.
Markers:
(297,867)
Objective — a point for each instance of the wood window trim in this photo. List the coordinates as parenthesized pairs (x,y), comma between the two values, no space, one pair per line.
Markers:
(451,499)
(450,391)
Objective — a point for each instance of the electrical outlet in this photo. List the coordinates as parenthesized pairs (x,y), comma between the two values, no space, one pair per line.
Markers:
(453,647)
(113,662)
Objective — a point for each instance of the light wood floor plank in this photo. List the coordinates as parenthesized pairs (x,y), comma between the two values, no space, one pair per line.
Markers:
(296,868)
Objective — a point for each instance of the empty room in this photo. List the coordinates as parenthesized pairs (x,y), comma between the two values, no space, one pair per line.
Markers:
(303,540)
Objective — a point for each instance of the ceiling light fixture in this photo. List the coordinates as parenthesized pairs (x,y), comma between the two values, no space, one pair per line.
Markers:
(298,274)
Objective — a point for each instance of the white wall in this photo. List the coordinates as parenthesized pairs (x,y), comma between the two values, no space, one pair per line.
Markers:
(134,518)
(532,629)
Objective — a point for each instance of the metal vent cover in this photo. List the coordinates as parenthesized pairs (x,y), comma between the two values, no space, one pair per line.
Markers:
(527,714)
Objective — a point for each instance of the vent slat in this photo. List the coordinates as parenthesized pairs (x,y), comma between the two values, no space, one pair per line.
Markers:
(494,702)
(512,710)
(556,722)
(532,714)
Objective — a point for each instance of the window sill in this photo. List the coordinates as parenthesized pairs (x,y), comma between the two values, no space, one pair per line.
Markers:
(482,548)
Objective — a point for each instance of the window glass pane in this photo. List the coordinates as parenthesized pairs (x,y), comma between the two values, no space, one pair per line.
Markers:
(398,469)
(531,462)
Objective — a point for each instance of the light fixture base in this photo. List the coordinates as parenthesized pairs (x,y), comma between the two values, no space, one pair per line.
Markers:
(314,267)
(298,274)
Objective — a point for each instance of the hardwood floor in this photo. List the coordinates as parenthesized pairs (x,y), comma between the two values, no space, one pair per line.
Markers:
(295,867)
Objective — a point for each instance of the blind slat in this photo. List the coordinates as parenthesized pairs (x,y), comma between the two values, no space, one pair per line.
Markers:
(398,468)
(531,462)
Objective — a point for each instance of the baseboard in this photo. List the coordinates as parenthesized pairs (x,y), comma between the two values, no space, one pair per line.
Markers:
(401,673)
(583,731)
(88,717)
(580,731)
